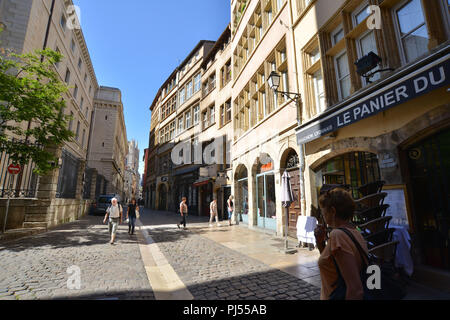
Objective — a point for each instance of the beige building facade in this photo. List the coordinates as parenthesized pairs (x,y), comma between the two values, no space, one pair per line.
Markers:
(108,147)
(190,132)
(132,177)
(392,126)
(264,143)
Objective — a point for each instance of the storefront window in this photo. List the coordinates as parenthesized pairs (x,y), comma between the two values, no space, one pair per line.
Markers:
(241,196)
(353,169)
(265,193)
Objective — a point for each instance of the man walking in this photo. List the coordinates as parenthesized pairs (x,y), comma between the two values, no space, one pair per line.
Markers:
(213,212)
(114,212)
(183,212)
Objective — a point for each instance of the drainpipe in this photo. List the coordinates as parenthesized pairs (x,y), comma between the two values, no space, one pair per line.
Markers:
(302,162)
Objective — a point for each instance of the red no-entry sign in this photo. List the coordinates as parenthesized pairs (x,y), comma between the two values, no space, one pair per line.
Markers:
(14,169)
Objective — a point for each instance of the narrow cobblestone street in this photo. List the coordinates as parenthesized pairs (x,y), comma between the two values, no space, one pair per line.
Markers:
(162,262)
(36,267)
(212,271)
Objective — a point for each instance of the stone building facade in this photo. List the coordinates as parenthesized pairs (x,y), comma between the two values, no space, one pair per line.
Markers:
(132,177)
(108,146)
(63,195)
(29,26)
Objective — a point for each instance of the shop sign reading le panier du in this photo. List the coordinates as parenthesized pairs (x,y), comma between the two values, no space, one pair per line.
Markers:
(433,78)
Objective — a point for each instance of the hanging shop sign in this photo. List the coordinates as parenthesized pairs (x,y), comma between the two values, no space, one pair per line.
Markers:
(433,76)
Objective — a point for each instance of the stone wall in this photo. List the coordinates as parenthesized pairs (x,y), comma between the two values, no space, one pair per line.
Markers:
(29,213)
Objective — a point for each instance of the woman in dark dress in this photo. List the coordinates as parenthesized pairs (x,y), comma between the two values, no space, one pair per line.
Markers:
(131,216)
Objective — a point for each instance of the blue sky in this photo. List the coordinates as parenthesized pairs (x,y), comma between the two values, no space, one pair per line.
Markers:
(135,45)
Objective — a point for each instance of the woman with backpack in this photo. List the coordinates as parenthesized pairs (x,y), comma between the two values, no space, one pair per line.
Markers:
(340,258)
(131,216)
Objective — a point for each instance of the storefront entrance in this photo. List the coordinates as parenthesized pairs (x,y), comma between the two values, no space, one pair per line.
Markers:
(226,195)
(265,195)
(162,198)
(429,170)
(206,196)
(291,165)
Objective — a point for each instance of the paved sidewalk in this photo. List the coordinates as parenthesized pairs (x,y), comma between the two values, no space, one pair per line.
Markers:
(36,267)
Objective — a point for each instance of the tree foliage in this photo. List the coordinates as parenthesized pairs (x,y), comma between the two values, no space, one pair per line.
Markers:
(32,108)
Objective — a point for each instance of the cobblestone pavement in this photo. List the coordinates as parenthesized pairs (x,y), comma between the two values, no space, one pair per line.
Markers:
(36,267)
(212,271)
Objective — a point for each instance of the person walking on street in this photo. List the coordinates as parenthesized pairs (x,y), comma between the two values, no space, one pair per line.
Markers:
(339,255)
(183,212)
(114,212)
(131,216)
(213,212)
(230,208)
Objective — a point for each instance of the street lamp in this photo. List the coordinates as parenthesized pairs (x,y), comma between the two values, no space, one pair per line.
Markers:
(367,64)
(274,83)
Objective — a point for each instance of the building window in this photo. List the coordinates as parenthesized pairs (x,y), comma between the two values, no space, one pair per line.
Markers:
(182,92)
(354,169)
(180,124)
(222,115)
(83,138)
(188,119)
(79,64)
(77,135)
(81,103)
(71,121)
(212,115)
(189,91)
(412,30)
(197,82)
(319,91)
(72,45)
(85,78)
(63,22)
(57,64)
(75,91)
(205,119)
(337,35)
(343,75)
(67,77)
(366,44)
(196,114)
(212,82)
(360,14)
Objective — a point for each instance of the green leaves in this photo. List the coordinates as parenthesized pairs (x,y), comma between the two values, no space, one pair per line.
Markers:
(32,107)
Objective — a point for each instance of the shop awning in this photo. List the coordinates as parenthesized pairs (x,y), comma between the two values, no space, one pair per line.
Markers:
(413,81)
(201,183)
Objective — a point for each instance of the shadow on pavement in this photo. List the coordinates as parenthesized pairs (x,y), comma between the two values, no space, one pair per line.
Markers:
(88,231)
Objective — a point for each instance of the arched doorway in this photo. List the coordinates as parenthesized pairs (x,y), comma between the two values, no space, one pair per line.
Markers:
(162,203)
(290,163)
(241,192)
(265,193)
(428,164)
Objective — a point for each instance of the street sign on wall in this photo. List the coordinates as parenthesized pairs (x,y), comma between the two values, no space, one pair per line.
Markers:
(14,168)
